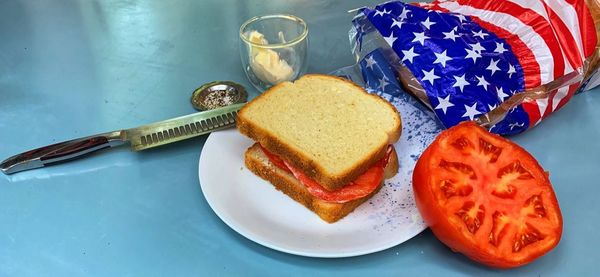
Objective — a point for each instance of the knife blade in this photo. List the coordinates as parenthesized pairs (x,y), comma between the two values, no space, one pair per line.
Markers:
(139,138)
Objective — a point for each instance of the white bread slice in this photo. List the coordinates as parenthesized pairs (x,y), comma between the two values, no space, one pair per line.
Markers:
(257,162)
(328,127)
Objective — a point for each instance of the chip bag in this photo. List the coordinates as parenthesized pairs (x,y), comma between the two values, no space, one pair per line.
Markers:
(506,65)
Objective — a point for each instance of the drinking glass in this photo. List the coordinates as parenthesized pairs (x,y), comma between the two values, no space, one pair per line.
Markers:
(273,49)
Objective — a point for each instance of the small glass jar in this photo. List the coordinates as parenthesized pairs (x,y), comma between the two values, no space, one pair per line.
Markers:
(273,49)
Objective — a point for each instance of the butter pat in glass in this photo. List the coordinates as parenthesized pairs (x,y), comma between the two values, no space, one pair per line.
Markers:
(273,49)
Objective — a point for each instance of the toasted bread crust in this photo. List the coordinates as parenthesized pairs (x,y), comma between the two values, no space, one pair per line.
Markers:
(311,167)
(257,162)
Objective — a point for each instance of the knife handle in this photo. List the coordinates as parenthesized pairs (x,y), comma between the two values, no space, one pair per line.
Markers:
(60,152)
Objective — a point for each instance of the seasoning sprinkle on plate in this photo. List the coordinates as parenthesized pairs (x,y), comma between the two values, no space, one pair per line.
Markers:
(218,94)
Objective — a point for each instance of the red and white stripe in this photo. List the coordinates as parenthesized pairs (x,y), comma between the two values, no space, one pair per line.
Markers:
(550,38)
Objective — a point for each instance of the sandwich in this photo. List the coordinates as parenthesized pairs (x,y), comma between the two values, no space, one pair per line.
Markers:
(323,141)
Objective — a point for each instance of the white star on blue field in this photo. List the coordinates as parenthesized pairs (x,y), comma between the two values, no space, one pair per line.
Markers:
(464,70)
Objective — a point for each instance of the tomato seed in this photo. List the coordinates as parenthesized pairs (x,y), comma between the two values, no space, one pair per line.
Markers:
(536,207)
(489,149)
(528,236)
(458,167)
(462,143)
(515,168)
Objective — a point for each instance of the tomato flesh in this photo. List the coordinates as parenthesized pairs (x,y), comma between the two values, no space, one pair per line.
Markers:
(364,185)
(275,159)
(486,197)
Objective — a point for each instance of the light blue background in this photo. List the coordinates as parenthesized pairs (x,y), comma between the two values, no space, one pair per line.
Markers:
(75,68)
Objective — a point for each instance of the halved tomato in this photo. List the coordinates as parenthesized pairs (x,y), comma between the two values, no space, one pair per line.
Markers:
(484,196)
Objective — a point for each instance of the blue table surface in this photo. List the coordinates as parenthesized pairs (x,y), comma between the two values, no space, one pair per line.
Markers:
(73,68)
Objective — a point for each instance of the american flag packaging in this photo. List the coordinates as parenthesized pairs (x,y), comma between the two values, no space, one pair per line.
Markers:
(505,64)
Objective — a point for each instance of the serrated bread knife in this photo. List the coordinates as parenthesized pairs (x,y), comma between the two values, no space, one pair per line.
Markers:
(140,138)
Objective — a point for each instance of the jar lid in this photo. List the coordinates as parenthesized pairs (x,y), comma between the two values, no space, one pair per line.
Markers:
(218,94)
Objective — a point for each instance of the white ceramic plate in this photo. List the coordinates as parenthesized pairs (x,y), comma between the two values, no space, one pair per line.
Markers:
(256,210)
